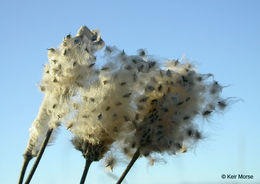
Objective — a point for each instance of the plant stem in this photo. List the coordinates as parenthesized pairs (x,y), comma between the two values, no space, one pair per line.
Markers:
(39,155)
(85,172)
(135,157)
(26,161)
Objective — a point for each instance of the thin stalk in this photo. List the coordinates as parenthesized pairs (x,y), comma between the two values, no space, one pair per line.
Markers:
(135,157)
(85,172)
(39,155)
(26,161)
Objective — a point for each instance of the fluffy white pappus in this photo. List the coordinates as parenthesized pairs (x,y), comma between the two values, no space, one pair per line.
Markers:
(172,98)
(103,111)
(106,109)
(72,62)
(68,66)
(110,162)
(38,130)
(61,78)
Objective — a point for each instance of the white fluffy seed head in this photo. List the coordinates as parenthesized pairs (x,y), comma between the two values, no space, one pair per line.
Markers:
(169,100)
(70,67)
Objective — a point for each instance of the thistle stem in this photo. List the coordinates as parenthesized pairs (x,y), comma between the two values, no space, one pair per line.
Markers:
(39,155)
(135,157)
(26,161)
(85,172)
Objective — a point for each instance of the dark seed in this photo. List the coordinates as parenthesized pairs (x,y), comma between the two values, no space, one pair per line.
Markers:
(94,38)
(186,117)
(161,73)
(205,113)
(134,61)
(152,64)
(54,61)
(142,53)
(76,41)
(178,145)
(65,52)
(123,83)
(199,79)
(168,90)
(104,68)
(180,103)
(118,104)
(133,145)
(176,63)
(169,73)
(197,135)
(154,101)
(146,154)
(187,99)
(91,65)
(137,117)
(184,79)
(42,88)
(143,99)
(108,107)
(114,115)
(126,118)
(122,53)
(108,49)
(150,88)
(125,150)
(189,133)
(99,116)
(52,49)
(140,68)
(160,87)
(160,138)
(127,95)
(85,116)
(165,109)
(222,104)
(128,67)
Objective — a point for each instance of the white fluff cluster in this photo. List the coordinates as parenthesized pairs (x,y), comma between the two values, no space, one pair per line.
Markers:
(171,99)
(165,100)
(133,102)
(69,66)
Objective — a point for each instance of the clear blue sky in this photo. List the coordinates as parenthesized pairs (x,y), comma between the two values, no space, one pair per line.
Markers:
(219,36)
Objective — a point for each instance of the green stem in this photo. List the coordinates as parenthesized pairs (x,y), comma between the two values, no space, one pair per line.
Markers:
(26,161)
(39,155)
(85,172)
(135,157)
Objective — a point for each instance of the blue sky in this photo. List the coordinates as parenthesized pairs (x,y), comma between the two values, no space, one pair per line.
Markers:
(219,36)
